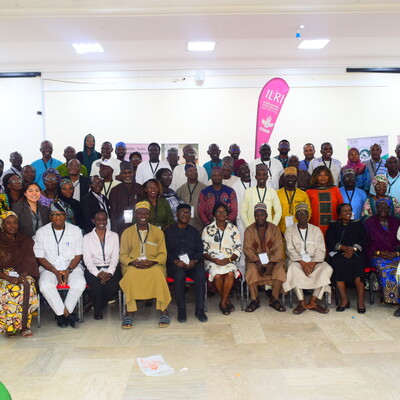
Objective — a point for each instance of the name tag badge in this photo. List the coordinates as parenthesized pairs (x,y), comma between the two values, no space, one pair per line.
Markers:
(128,216)
(184,258)
(306,258)
(352,216)
(289,220)
(191,211)
(263,258)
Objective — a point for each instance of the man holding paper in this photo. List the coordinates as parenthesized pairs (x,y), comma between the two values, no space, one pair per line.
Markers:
(185,260)
(263,247)
(58,249)
(307,269)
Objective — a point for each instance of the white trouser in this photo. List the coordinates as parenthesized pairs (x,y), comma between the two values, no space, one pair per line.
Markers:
(318,293)
(48,282)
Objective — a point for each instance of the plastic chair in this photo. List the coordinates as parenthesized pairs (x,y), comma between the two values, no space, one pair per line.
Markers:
(63,289)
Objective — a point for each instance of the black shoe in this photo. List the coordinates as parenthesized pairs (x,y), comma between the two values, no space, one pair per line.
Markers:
(201,316)
(72,319)
(361,310)
(182,316)
(397,313)
(61,321)
(98,315)
(341,309)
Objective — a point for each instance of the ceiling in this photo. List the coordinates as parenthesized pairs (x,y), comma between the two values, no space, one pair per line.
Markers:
(147,35)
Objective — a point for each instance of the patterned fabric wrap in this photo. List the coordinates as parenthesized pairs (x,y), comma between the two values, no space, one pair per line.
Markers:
(387,278)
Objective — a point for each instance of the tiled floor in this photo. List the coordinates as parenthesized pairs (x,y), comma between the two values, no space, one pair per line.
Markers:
(263,355)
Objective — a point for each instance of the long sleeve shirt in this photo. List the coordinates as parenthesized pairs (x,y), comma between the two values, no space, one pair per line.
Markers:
(183,241)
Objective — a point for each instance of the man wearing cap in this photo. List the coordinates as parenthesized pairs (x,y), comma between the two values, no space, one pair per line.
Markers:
(217,193)
(263,247)
(275,169)
(107,173)
(261,193)
(143,256)
(70,154)
(185,260)
(351,194)
(189,192)
(120,151)
(58,249)
(147,169)
(290,196)
(106,154)
(307,269)
(303,177)
(123,199)
(179,176)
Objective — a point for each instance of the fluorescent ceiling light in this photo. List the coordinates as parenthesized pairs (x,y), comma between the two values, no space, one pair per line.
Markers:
(201,46)
(83,48)
(313,44)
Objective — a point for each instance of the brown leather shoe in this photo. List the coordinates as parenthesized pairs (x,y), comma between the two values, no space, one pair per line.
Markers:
(299,309)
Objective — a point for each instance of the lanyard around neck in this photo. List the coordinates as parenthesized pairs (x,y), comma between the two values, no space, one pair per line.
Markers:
(305,238)
(58,240)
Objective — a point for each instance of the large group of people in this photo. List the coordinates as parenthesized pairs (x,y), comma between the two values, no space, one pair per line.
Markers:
(104,223)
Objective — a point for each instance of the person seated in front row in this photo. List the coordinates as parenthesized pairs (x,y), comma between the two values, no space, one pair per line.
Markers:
(58,249)
(263,247)
(143,256)
(185,260)
(100,255)
(18,270)
(307,269)
(222,246)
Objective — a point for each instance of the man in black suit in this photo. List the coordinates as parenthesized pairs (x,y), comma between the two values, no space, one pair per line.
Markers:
(93,202)
(81,183)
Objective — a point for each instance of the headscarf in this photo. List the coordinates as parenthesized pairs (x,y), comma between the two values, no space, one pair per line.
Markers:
(380,178)
(17,253)
(93,156)
(52,171)
(72,206)
(237,164)
(358,166)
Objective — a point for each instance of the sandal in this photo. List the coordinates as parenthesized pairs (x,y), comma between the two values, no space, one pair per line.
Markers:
(299,309)
(224,310)
(319,309)
(276,305)
(230,306)
(127,323)
(252,306)
(26,333)
(164,321)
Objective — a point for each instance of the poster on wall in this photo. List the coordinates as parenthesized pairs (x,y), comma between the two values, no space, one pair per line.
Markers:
(270,103)
(142,149)
(363,144)
(179,146)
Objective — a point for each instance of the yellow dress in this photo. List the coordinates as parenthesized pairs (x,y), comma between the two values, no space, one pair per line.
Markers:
(142,284)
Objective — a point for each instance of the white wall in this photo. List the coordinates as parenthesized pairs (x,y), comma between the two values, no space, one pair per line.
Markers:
(317,109)
(20,126)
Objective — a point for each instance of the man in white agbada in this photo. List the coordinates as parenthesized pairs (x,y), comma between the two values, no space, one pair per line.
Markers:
(307,269)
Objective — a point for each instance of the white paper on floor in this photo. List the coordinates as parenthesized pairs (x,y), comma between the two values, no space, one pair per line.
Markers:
(154,366)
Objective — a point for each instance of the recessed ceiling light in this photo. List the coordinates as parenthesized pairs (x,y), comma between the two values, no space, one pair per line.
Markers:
(83,48)
(201,46)
(317,44)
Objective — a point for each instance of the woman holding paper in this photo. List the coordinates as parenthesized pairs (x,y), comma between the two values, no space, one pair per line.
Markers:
(346,241)
(222,246)
(18,268)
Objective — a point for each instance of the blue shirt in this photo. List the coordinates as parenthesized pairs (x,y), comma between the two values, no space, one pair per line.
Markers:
(41,167)
(358,198)
(304,165)
(209,165)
